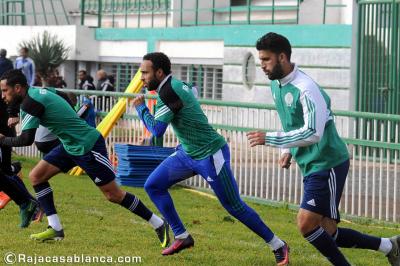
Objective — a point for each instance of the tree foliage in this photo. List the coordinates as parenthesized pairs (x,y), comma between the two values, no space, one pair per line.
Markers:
(48,53)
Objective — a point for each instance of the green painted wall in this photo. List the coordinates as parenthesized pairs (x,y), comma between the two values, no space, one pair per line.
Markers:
(329,36)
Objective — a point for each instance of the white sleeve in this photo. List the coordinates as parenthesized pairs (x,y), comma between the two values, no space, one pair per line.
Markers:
(315,116)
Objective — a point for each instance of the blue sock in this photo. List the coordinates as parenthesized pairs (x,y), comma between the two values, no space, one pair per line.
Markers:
(226,190)
(325,244)
(44,194)
(253,221)
(162,199)
(348,238)
(135,205)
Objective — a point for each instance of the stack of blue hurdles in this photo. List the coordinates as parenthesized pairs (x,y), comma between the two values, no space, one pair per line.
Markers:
(135,163)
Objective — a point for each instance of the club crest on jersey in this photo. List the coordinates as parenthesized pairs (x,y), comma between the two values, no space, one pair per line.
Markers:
(289,99)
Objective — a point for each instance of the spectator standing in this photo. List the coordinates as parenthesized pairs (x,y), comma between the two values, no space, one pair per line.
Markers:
(26,64)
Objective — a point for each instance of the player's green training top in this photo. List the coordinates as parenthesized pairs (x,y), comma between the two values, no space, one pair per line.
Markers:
(176,105)
(44,107)
(307,121)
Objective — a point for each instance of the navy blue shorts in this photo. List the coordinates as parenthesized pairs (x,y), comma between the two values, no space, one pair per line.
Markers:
(323,190)
(95,162)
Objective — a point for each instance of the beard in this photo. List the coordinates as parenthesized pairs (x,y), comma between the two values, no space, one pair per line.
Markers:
(17,100)
(153,85)
(276,73)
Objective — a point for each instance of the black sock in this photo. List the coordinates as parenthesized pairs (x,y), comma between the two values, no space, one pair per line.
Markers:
(348,238)
(44,194)
(325,244)
(135,205)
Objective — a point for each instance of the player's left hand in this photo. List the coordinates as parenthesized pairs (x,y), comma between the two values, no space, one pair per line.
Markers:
(13,121)
(256,138)
(138,100)
(2,136)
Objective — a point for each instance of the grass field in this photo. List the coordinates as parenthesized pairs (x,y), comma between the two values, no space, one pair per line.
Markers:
(95,227)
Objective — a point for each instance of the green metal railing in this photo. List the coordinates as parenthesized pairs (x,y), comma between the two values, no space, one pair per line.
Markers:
(33,12)
(161,13)
(372,185)
(378,66)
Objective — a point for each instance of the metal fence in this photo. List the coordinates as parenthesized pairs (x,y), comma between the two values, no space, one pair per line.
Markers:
(165,13)
(158,13)
(378,65)
(372,186)
(33,12)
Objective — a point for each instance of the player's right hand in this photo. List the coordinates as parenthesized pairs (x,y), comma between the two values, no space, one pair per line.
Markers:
(138,100)
(284,161)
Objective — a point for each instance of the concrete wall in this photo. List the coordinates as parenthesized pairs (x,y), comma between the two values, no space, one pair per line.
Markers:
(202,52)
(129,51)
(312,12)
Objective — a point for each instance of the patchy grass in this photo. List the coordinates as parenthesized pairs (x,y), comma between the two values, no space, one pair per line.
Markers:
(95,227)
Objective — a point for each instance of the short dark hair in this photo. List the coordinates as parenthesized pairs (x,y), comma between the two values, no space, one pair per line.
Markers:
(275,43)
(83,71)
(14,77)
(25,49)
(159,60)
(3,53)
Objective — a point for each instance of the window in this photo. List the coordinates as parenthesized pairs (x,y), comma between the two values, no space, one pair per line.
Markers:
(238,2)
(207,79)
(122,72)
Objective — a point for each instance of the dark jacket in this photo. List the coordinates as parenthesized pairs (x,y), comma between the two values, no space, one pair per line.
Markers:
(6,112)
(5,65)
(105,85)
(87,84)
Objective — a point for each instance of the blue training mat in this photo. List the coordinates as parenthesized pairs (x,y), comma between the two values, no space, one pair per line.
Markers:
(135,163)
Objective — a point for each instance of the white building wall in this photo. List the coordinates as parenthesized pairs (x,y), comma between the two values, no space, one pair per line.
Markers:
(192,52)
(80,39)
(122,51)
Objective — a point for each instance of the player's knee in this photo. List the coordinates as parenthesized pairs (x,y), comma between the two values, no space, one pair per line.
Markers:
(150,187)
(329,225)
(306,223)
(34,178)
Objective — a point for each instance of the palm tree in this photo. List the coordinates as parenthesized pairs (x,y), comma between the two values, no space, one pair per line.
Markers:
(48,53)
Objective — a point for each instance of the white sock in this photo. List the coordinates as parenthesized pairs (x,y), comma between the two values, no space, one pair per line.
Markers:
(155,221)
(183,235)
(54,222)
(276,243)
(385,246)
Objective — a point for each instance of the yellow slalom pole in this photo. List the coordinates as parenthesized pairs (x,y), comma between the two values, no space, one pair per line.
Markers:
(107,124)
